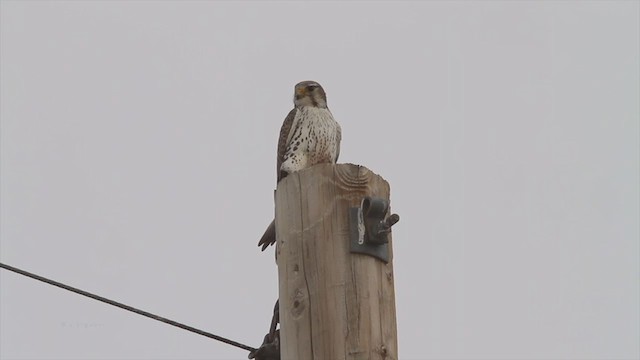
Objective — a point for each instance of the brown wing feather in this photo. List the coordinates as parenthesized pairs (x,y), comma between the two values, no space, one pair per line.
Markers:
(269,236)
(287,127)
(338,140)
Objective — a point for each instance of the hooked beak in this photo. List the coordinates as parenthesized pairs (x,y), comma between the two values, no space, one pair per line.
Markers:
(301,92)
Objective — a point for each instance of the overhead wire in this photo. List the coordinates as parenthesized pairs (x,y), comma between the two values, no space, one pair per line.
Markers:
(128,308)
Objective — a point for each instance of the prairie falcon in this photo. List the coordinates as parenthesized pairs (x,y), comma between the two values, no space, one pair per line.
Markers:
(308,136)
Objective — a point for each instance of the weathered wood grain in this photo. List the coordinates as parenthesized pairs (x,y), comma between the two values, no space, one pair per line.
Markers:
(333,304)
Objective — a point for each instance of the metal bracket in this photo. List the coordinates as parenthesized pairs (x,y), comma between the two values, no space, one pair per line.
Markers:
(369,226)
(270,348)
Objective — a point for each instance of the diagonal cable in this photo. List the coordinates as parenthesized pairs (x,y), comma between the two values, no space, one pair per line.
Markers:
(127,307)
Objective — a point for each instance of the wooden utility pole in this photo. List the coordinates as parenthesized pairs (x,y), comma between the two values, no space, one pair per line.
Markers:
(334,304)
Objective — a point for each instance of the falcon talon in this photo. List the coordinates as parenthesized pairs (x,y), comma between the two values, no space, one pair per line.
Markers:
(370,226)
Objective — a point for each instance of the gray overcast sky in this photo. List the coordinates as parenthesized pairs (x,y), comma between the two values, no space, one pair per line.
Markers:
(138,162)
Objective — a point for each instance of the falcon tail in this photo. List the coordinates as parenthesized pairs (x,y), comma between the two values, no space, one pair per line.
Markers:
(269,236)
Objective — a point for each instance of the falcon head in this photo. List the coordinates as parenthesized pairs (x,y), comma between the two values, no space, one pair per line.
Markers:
(309,93)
